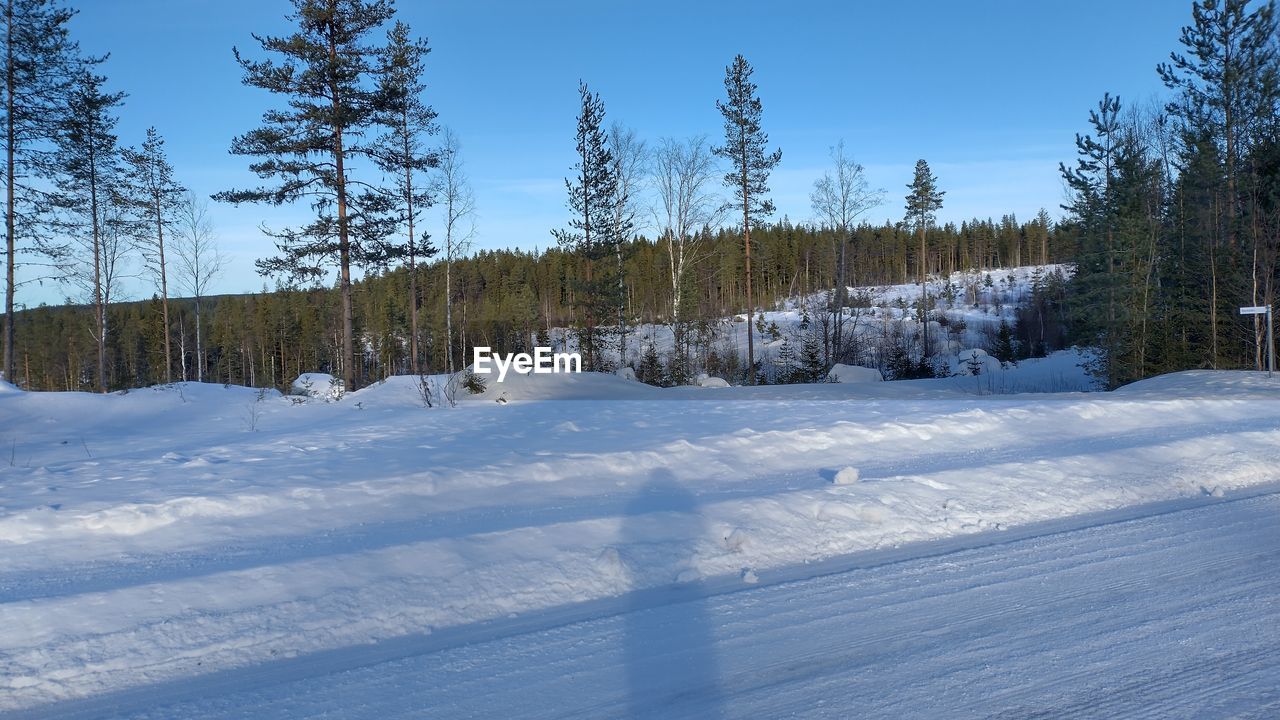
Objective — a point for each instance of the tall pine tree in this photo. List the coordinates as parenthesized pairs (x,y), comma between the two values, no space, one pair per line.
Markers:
(401,155)
(327,72)
(155,197)
(592,234)
(923,202)
(40,63)
(87,195)
(744,147)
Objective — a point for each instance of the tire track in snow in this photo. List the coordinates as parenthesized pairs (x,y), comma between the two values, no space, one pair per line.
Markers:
(1007,602)
(138,570)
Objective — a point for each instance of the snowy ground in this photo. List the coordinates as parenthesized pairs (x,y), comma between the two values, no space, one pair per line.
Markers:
(171,545)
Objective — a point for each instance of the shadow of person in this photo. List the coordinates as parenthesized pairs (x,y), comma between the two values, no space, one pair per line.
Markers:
(670,658)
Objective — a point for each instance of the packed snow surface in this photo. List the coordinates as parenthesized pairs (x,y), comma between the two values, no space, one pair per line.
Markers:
(155,538)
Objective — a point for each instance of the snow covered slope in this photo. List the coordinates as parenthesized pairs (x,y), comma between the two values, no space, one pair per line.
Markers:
(170,533)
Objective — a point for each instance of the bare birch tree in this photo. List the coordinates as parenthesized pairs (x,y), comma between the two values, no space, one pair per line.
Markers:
(197,260)
(839,197)
(454,193)
(683,173)
(630,155)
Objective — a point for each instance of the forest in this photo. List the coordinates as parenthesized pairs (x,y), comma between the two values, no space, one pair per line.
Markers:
(1173,222)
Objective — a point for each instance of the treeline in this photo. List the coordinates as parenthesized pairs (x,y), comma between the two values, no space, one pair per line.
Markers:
(1175,209)
(505,299)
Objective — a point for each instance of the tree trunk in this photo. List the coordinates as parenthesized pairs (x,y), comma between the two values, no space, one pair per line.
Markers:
(344,240)
(413,269)
(199,347)
(924,297)
(164,295)
(10,240)
(746,242)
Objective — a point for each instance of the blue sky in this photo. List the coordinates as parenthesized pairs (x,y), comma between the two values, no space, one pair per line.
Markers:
(990,92)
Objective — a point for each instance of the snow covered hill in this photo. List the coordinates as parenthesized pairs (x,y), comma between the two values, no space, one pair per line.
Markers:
(172,532)
(968,308)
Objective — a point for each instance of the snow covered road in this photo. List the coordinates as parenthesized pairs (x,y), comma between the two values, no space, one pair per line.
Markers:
(1172,614)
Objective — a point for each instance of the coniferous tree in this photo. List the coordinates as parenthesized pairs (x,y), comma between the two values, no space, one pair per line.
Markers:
(592,235)
(327,71)
(1228,82)
(401,155)
(744,147)
(155,197)
(923,202)
(87,191)
(40,63)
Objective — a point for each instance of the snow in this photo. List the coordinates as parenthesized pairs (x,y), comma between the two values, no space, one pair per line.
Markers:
(973,312)
(708,381)
(974,361)
(841,373)
(846,476)
(320,386)
(161,537)
(1163,611)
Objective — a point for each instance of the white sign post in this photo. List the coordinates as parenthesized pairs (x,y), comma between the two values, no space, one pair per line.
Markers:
(1271,346)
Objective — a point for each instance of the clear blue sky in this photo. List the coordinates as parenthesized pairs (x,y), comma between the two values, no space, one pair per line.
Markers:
(990,92)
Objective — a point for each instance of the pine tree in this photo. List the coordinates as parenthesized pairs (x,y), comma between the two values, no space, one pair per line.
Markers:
(923,202)
(592,235)
(327,71)
(40,64)
(744,147)
(401,155)
(812,366)
(155,198)
(87,190)
(650,370)
(1229,85)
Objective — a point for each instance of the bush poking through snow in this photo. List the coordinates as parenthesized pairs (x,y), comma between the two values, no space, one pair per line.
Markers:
(473,382)
(427,391)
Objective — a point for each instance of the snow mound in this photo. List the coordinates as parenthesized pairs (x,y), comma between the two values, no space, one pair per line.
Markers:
(974,361)
(841,373)
(320,386)
(846,476)
(568,386)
